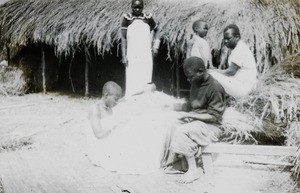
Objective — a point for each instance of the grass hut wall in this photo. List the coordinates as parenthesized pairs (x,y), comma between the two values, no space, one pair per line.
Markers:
(66,29)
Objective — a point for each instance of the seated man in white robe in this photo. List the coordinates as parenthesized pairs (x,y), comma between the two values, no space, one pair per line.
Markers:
(241,75)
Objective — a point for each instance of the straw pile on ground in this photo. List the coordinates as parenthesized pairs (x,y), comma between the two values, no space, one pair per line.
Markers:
(270,27)
(240,127)
(275,103)
(11,81)
(271,113)
(13,143)
(272,110)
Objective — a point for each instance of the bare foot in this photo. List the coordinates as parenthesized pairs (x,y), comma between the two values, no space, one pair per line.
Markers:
(190,176)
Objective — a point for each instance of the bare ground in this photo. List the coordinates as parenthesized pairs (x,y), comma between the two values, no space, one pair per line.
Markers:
(42,149)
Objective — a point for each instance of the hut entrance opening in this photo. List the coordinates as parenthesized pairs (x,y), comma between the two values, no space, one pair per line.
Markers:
(44,70)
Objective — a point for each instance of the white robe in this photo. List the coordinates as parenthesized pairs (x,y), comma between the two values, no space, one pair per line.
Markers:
(139,55)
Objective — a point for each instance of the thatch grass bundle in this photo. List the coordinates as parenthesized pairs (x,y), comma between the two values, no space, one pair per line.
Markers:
(14,143)
(275,104)
(1,186)
(270,27)
(11,81)
(292,65)
(239,128)
(270,111)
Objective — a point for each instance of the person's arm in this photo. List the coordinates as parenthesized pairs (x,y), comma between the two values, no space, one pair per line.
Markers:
(210,64)
(224,53)
(124,49)
(230,71)
(124,41)
(95,120)
(205,117)
(178,106)
(214,111)
(156,35)
(156,43)
(189,45)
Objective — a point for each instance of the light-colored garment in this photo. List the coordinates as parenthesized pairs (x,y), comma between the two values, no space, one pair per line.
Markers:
(189,136)
(242,56)
(139,55)
(201,49)
(245,78)
(139,126)
(187,139)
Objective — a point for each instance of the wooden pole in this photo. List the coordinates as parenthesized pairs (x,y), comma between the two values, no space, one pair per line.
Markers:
(177,80)
(87,62)
(8,54)
(43,70)
(70,76)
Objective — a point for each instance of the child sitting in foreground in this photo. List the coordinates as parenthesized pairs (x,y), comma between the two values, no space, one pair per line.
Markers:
(111,93)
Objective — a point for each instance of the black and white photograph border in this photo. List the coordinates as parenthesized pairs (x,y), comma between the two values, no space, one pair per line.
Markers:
(64,129)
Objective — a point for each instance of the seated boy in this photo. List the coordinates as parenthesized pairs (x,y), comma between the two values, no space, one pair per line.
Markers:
(111,93)
(200,124)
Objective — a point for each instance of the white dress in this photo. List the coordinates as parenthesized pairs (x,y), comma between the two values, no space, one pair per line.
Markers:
(139,55)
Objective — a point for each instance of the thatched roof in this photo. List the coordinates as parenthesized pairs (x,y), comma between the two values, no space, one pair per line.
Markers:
(3,1)
(65,24)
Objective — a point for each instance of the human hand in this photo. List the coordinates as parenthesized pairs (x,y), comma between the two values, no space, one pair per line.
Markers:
(211,67)
(222,66)
(178,106)
(182,115)
(155,51)
(125,61)
(185,120)
(189,43)
(211,70)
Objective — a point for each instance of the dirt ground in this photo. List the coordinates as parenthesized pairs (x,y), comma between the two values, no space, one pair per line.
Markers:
(43,144)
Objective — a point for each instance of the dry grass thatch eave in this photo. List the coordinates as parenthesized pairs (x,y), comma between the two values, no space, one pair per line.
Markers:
(63,24)
(66,24)
(275,103)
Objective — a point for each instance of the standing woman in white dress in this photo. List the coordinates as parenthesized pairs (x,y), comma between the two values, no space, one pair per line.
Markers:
(137,41)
